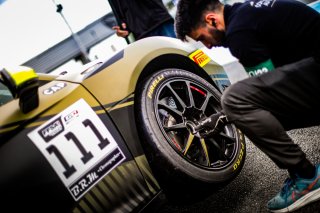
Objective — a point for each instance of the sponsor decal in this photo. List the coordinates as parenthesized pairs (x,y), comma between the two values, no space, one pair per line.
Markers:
(262,3)
(261,68)
(55,88)
(79,147)
(51,130)
(68,118)
(200,58)
(258,71)
(94,174)
(154,83)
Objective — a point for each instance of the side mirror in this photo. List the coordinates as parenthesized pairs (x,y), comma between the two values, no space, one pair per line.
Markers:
(23,84)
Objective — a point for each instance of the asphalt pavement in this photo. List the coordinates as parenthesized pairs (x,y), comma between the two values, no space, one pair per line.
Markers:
(259,180)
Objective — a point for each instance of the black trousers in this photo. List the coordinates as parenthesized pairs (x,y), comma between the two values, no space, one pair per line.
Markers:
(266,106)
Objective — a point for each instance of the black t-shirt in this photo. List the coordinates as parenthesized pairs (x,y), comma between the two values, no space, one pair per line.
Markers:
(284,31)
(141,16)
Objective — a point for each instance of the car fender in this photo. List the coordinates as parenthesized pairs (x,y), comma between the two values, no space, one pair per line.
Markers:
(126,66)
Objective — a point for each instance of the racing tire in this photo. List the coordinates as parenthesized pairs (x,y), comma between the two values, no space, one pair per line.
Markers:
(185,165)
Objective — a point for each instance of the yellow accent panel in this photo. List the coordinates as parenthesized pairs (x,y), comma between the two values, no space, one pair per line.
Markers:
(21,74)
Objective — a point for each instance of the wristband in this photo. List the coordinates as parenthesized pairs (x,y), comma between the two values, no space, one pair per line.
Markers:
(261,68)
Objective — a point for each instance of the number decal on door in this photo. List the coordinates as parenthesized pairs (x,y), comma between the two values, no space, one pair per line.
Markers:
(78,146)
(103,142)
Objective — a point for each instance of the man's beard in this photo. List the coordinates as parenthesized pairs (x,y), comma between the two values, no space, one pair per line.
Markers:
(218,36)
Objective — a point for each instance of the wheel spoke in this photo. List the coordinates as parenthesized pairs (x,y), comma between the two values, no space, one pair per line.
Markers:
(205,103)
(229,140)
(189,142)
(218,148)
(205,150)
(219,163)
(190,94)
(176,96)
(170,109)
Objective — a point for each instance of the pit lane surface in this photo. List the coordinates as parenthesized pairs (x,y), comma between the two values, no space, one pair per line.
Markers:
(259,181)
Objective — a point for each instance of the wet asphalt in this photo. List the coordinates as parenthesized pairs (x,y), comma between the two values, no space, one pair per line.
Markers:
(259,180)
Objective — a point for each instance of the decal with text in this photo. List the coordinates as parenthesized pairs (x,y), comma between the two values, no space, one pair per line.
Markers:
(200,58)
(78,146)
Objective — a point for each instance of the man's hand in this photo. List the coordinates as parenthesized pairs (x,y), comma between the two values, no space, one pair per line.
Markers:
(121,31)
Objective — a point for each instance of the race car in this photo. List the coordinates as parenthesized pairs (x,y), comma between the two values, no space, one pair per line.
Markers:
(118,134)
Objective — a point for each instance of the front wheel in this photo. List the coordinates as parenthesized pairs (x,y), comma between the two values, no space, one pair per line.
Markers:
(167,103)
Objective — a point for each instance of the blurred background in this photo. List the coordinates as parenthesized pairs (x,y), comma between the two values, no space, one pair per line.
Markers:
(57,35)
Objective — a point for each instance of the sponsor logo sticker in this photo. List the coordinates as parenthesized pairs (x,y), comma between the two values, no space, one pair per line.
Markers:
(55,88)
(262,3)
(200,58)
(51,130)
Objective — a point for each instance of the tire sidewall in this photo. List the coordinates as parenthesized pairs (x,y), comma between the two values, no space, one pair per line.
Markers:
(162,155)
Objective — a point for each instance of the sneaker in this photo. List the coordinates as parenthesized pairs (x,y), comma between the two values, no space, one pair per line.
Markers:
(296,192)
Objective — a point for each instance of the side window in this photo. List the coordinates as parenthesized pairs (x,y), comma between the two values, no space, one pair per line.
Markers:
(5,94)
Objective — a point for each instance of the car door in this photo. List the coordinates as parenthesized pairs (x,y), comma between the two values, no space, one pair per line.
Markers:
(66,155)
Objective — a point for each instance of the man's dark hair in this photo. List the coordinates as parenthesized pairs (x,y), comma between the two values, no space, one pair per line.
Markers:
(190,13)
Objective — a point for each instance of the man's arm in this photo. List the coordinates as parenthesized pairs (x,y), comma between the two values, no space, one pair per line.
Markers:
(263,67)
(252,54)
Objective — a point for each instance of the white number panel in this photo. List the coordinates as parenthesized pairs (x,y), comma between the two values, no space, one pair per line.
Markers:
(78,146)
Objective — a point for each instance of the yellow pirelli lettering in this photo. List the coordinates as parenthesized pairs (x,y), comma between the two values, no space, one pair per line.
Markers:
(154,83)
(239,160)
(200,58)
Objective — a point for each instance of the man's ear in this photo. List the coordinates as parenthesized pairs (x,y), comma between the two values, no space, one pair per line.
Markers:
(210,18)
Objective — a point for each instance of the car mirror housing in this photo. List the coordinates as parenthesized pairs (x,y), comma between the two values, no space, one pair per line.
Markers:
(23,84)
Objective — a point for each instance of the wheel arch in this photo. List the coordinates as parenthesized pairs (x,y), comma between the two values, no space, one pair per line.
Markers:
(173,61)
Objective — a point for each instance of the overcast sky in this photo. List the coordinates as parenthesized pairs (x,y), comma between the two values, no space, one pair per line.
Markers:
(28,27)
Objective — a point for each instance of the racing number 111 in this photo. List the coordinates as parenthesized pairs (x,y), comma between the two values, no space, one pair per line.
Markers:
(86,155)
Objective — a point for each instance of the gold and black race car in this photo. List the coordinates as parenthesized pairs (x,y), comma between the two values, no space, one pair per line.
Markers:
(116,134)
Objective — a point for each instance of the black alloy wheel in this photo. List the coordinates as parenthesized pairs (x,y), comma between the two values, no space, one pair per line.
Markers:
(169,105)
